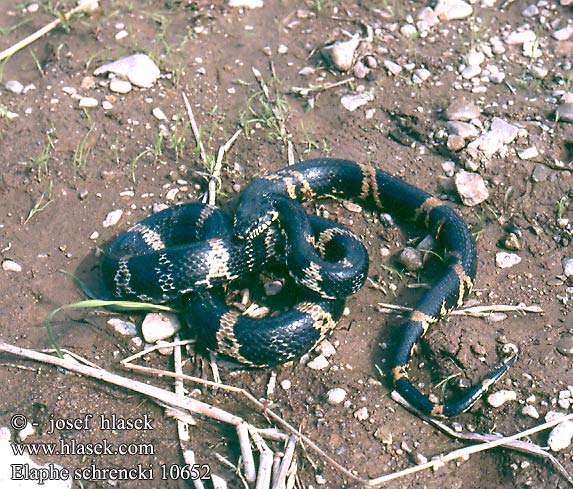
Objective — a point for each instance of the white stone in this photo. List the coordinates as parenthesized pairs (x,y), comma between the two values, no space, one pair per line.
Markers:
(11,266)
(567,264)
(563,34)
(560,436)
(408,30)
(528,153)
(471,188)
(426,18)
(118,85)
(392,67)
(88,102)
(121,35)
(521,37)
(138,68)
(475,57)
(470,72)
(341,54)
(452,9)
(420,75)
(106,105)
(463,129)
(499,398)
(159,114)
(14,86)
(352,101)
(462,110)
(504,259)
(125,328)
(286,384)
(531,411)
(326,348)
(318,363)
(362,414)
(336,395)
(508,132)
(489,143)
(246,3)
(159,326)
(112,218)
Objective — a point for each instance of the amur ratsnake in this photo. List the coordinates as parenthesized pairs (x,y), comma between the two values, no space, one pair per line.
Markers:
(189,252)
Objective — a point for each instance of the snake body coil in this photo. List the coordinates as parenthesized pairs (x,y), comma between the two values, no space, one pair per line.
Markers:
(270,198)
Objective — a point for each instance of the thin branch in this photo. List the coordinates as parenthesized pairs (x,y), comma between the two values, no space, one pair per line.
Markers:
(83,6)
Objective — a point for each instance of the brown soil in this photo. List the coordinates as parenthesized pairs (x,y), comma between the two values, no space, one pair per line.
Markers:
(71,201)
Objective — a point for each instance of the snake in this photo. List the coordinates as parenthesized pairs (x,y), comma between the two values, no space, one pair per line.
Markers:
(269,223)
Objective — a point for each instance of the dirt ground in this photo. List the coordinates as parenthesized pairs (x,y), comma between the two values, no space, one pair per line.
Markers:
(63,169)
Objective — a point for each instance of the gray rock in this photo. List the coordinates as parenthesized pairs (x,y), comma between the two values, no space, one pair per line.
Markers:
(503,259)
(540,173)
(463,129)
(159,326)
(471,188)
(138,68)
(452,9)
(507,131)
(462,110)
(341,54)
(564,113)
(567,264)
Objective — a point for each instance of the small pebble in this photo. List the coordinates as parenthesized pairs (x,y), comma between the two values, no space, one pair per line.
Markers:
(463,129)
(118,85)
(393,68)
(126,328)
(14,86)
(341,54)
(138,68)
(560,436)
(503,259)
(528,153)
(336,395)
(462,110)
(565,344)
(471,188)
(88,102)
(159,114)
(362,414)
(531,411)
(507,132)
(159,326)
(420,75)
(352,101)
(318,363)
(452,9)
(499,398)
(384,435)
(112,218)
(286,384)
(273,287)
(411,258)
(567,265)
(326,348)
(246,3)
(11,266)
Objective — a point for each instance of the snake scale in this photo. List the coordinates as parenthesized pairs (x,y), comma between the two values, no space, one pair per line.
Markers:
(189,252)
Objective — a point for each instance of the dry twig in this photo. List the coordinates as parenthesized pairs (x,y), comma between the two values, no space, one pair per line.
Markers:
(83,6)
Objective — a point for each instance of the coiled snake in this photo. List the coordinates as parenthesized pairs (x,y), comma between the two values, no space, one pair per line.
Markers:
(186,251)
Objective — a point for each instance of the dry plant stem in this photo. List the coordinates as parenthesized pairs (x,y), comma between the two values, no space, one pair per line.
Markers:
(216,174)
(182,426)
(195,130)
(280,480)
(163,396)
(517,445)
(246,452)
(84,6)
(265,461)
(190,459)
(477,311)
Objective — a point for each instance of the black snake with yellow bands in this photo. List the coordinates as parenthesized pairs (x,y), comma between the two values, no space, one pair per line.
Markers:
(271,198)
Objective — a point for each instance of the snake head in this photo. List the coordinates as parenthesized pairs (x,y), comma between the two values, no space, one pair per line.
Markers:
(254,217)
